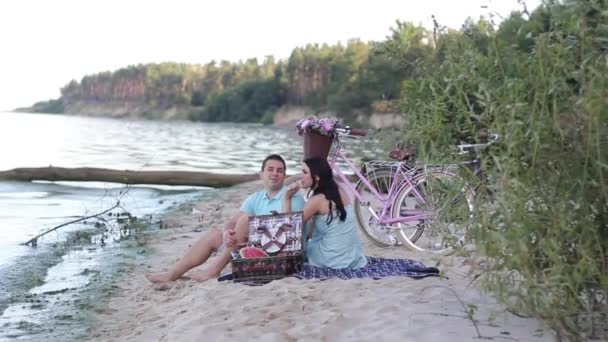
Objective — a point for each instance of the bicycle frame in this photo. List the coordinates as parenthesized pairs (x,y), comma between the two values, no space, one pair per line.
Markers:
(385,217)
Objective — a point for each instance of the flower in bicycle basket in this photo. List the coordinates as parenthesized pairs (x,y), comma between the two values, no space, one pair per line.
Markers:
(324,126)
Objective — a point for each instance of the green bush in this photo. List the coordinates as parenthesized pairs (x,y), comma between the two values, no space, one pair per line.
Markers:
(50,106)
(544,233)
(246,102)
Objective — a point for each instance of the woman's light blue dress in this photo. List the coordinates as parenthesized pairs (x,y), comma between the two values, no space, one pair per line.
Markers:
(335,245)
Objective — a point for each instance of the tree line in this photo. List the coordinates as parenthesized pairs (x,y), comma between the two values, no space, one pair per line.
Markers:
(356,77)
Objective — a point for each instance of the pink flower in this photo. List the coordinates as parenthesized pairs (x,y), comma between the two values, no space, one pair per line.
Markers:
(303,125)
(323,126)
(327,125)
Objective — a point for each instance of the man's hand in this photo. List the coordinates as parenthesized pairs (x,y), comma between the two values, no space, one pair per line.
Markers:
(229,238)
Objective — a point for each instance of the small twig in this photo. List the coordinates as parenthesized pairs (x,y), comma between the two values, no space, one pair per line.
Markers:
(34,241)
(468,316)
(464,306)
(438,314)
(515,313)
(505,337)
(465,317)
(475,278)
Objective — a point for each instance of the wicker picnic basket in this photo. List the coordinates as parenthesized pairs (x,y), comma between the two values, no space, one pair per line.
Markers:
(280,236)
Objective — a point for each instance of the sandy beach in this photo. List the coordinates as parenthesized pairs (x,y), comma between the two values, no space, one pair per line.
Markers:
(390,309)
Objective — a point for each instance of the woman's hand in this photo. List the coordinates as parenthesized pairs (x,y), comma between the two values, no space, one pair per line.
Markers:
(292,189)
(293,179)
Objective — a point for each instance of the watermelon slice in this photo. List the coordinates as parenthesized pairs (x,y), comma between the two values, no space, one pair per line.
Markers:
(252,252)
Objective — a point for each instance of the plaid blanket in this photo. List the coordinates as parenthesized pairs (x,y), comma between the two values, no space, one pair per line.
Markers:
(376,268)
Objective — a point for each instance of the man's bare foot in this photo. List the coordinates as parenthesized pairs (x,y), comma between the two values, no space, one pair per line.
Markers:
(160,277)
(202,276)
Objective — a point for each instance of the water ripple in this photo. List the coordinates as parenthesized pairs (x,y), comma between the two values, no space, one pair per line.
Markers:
(72,141)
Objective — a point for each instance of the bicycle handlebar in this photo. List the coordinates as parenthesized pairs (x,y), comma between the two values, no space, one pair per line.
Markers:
(493,138)
(358,132)
(346,130)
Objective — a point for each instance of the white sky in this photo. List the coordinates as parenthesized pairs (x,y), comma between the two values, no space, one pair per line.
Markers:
(44,44)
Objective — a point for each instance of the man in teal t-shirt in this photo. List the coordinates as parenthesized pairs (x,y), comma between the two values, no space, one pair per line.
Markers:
(259,203)
(235,232)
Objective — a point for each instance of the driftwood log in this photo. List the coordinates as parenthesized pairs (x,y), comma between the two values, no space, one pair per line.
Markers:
(88,174)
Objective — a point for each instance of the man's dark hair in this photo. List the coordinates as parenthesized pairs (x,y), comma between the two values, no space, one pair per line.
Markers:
(274,157)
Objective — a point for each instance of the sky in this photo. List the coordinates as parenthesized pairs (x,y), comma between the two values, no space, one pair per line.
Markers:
(45,44)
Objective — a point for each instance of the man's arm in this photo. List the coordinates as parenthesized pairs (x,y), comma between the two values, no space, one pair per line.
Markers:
(232,222)
(297,202)
(229,233)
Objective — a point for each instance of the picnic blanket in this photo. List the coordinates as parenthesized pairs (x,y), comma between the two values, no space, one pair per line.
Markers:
(376,268)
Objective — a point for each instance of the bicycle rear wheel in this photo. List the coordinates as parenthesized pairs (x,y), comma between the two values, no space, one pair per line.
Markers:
(444,201)
(379,234)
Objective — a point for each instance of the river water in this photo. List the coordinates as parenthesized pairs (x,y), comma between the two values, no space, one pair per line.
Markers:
(47,292)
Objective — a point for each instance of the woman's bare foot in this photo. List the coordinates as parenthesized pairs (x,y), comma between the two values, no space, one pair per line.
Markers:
(160,277)
(202,276)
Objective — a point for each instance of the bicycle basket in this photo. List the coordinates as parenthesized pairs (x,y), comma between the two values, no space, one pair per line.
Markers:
(316,145)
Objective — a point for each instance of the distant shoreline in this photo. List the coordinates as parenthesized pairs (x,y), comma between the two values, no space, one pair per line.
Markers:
(284,116)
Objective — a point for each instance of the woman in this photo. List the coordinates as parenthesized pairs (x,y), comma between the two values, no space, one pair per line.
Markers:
(334,242)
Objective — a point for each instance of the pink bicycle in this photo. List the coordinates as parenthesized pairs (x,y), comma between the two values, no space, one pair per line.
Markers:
(424,207)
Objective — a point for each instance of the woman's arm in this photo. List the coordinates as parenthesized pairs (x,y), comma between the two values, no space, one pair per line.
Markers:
(344,196)
(286,205)
(291,190)
(312,207)
(292,179)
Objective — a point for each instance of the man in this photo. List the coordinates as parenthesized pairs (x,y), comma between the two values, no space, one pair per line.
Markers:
(236,231)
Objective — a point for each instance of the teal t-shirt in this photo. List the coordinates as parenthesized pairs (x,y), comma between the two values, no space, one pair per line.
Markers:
(335,245)
(259,204)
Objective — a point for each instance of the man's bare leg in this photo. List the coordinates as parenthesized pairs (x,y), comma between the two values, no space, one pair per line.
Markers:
(196,255)
(217,264)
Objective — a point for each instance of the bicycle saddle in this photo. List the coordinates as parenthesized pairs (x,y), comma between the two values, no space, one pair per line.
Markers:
(402,154)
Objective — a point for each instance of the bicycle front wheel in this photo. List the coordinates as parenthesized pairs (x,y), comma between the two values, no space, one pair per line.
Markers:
(379,234)
(440,205)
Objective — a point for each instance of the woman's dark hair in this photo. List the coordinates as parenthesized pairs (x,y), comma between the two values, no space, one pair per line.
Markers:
(326,185)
